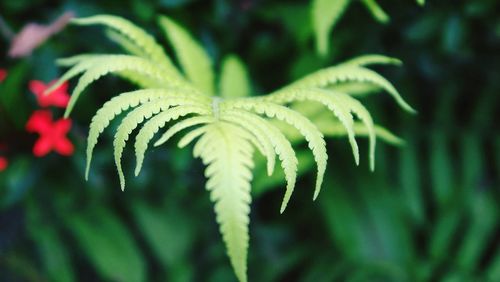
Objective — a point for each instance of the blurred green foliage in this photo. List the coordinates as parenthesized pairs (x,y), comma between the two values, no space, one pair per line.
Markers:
(428,213)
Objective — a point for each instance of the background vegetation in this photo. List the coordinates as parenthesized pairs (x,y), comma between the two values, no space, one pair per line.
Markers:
(428,213)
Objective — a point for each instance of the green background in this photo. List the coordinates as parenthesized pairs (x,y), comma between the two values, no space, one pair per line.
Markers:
(429,212)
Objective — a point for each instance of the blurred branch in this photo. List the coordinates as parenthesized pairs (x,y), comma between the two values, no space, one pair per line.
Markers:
(33,35)
(5,30)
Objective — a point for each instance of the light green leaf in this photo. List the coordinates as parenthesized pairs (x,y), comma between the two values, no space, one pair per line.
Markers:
(195,62)
(134,34)
(152,126)
(325,14)
(234,78)
(135,118)
(228,158)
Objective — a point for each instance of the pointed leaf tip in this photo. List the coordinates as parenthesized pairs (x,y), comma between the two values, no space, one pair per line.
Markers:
(411,110)
(282,208)
(138,169)
(396,62)
(67,112)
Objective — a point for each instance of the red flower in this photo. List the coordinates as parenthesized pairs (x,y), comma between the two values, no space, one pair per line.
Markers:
(58,98)
(3,160)
(52,134)
(3,74)
(3,163)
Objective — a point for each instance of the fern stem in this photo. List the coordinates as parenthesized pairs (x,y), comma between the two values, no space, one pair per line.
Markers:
(215,107)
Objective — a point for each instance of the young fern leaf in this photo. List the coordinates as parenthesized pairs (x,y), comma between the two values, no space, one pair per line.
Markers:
(247,135)
(107,113)
(117,64)
(282,147)
(325,14)
(136,117)
(226,128)
(122,103)
(194,60)
(234,81)
(324,78)
(80,64)
(331,128)
(83,63)
(228,158)
(135,35)
(303,125)
(178,127)
(151,127)
(331,101)
(86,63)
(365,117)
(260,135)
(202,142)
(126,44)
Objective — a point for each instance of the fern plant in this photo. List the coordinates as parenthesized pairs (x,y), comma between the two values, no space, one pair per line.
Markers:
(326,13)
(225,123)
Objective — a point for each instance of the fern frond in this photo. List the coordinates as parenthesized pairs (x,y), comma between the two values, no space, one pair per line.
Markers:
(151,127)
(191,136)
(331,100)
(282,147)
(338,103)
(201,144)
(227,130)
(365,117)
(195,62)
(234,81)
(259,133)
(331,128)
(181,126)
(325,14)
(122,103)
(303,125)
(73,60)
(140,80)
(85,62)
(345,73)
(136,117)
(125,43)
(245,133)
(355,89)
(116,64)
(80,64)
(136,35)
(228,158)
